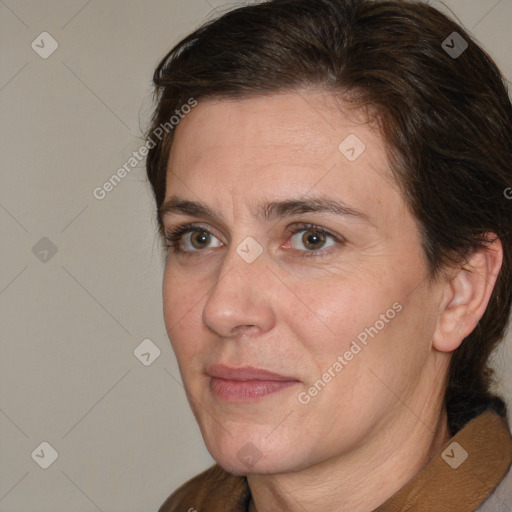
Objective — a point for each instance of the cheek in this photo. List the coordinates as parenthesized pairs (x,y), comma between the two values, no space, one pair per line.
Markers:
(180,292)
(334,315)
(181,311)
(364,318)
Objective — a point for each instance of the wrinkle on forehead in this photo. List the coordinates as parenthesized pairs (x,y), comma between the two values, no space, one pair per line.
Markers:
(279,147)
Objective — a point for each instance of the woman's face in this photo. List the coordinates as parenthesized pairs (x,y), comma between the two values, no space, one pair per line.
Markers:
(340,310)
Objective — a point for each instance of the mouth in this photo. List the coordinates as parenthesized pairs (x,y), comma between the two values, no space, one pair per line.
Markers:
(246,384)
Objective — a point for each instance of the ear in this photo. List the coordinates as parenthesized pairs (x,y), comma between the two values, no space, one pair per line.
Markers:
(467,291)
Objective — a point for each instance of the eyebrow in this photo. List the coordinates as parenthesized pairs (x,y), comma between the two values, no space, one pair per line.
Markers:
(266,211)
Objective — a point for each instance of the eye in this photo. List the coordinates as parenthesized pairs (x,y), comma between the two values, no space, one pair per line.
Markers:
(190,238)
(314,239)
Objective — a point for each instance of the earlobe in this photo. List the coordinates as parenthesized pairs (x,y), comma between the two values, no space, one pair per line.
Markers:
(467,293)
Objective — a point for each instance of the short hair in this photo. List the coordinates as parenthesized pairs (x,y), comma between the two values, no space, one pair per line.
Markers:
(442,109)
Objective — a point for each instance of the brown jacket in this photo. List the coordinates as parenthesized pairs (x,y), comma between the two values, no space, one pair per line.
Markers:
(459,478)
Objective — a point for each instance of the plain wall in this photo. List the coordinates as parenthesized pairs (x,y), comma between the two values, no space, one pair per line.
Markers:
(123,431)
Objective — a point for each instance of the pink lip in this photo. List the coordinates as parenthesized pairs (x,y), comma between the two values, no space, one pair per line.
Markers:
(245,384)
(244,374)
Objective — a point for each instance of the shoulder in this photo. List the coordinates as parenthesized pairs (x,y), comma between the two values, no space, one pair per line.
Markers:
(213,487)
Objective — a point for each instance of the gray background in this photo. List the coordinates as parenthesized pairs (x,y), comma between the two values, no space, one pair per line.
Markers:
(71,321)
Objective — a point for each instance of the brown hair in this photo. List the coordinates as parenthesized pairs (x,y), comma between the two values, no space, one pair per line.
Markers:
(447,119)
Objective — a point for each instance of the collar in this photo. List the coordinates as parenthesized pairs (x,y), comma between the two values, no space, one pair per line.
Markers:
(463,473)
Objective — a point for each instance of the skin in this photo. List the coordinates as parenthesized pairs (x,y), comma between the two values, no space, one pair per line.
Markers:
(381,418)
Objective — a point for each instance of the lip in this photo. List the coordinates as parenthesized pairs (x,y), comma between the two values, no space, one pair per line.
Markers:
(246,373)
(246,384)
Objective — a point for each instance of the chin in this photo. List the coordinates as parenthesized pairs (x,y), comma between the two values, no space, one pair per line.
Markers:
(262,467)
(259,456)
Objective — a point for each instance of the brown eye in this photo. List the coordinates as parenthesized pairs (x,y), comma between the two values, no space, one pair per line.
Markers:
(191,238)
(199,239)
(313,239)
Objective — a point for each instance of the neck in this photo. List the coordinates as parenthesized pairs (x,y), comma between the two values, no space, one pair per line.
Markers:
(342,483)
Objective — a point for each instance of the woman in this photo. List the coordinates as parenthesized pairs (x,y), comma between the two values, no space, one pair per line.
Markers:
(330,177)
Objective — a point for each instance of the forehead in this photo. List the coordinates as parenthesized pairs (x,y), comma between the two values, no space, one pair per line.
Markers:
(307,125)
(279,147)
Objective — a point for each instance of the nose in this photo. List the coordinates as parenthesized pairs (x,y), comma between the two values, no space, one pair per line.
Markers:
(241,300)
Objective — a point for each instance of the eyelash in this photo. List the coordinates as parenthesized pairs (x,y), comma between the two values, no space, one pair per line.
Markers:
(176,234)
